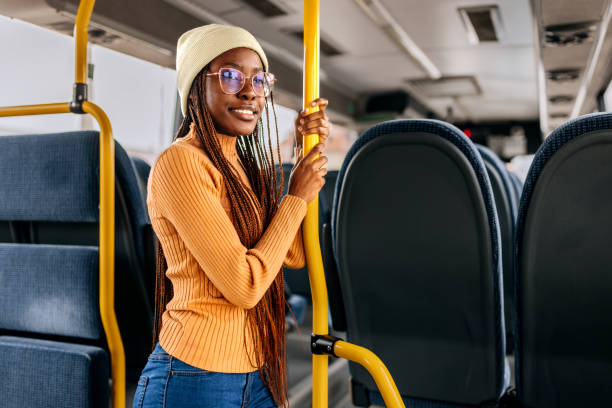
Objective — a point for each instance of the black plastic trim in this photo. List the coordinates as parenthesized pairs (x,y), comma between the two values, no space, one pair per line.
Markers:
(323,344)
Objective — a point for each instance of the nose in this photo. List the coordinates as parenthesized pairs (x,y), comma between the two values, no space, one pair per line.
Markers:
(247,92)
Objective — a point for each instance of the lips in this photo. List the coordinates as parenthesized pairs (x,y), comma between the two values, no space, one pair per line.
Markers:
(245,112)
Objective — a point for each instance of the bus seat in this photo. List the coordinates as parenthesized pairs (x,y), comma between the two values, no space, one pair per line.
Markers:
(507,208)
(417,245)
(51,290)
(518,186)
(51,184)
(564,269)
(142,172)
(149,239)
(42,373)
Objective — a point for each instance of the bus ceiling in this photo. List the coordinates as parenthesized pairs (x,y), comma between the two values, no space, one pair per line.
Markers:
(389,58)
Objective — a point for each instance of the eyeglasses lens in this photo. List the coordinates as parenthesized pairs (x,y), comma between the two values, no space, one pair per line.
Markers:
(232,80)
(262,84)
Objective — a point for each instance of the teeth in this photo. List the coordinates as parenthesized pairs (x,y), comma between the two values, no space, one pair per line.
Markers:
(243,111)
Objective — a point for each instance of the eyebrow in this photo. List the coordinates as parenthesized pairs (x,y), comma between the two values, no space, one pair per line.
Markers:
(258,69)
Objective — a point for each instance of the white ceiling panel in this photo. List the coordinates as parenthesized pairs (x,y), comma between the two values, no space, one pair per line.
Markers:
(489,60)
(436,24)
(377,72)
(218,7)
(556,12)
(566,57)
(488,109)
(372,62)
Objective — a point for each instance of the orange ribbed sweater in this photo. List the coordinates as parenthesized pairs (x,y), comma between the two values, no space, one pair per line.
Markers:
(215,278)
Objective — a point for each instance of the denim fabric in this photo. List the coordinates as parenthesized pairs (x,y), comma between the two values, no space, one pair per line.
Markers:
(168,382)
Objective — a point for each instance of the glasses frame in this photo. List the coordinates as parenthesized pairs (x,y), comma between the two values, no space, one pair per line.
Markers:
(244,79)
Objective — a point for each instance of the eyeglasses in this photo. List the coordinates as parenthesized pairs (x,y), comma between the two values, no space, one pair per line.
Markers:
(232,81)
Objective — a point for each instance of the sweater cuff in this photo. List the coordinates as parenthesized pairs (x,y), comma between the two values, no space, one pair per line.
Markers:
(295,205)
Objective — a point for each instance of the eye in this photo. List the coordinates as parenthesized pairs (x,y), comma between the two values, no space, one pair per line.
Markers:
(259,80)
(231,74)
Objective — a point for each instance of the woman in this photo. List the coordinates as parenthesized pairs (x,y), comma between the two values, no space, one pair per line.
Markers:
(224,231)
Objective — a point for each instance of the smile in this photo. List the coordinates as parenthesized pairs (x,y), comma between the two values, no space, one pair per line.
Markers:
(246,113)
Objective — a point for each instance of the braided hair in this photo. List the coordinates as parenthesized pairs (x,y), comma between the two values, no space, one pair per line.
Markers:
(251,210)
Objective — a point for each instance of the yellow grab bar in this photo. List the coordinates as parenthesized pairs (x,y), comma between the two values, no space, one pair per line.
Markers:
(44,109)
(321,347)
(375,367)
(107,233)
(107,254)
(107,196)
(310,226)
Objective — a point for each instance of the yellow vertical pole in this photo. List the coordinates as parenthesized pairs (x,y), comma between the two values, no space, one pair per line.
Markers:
(81,26)
(311,222)
(107,211)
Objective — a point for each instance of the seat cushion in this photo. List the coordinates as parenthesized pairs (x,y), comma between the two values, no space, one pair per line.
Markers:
(41,373)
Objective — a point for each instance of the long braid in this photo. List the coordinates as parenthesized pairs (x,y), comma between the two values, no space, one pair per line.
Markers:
(251,210)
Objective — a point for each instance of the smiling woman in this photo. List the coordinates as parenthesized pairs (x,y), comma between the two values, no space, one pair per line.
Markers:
(224,231)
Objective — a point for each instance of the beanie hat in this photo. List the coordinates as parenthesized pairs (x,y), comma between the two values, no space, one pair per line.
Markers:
(198,47)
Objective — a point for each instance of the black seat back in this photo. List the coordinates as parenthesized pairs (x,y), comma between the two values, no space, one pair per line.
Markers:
(564,269)
(416,240)
(507,207)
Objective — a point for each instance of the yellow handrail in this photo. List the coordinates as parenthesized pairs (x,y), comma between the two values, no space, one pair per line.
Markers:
(107,199)
(25,110)
(310,226)
(107,254)
(375,367)
(311,222)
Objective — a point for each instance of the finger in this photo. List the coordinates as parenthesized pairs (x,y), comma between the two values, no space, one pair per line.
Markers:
(318,148)
(318,104)
(310,124)
(319,162)
(312,116)
(322,171)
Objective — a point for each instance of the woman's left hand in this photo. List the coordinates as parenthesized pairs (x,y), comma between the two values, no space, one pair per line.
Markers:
(309,122)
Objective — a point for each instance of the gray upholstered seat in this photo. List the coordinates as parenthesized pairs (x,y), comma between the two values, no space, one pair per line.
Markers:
(416,240)
(564,269)
(49,193)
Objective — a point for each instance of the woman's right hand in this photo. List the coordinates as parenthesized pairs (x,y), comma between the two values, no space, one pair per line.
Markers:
(308,176)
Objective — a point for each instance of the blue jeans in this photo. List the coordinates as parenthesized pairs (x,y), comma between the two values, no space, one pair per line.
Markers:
(167,382)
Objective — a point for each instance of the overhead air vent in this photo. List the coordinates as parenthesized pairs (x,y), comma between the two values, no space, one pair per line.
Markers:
(266,7)
(99,36)
(446,86)
(560,99)
(569,34)
(326,48)
(482,23)
(563,75)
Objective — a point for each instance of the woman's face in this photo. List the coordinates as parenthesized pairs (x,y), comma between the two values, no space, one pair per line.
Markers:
(235,114)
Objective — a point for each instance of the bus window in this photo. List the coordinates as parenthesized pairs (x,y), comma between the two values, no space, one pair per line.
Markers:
(138,96)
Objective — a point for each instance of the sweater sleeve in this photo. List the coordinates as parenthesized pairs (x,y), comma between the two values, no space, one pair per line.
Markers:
(183,190)
(296,257)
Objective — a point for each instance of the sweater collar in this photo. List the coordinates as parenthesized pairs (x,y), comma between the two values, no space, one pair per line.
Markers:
(227,143)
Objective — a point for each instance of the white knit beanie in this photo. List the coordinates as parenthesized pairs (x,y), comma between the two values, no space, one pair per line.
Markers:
(199,46)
